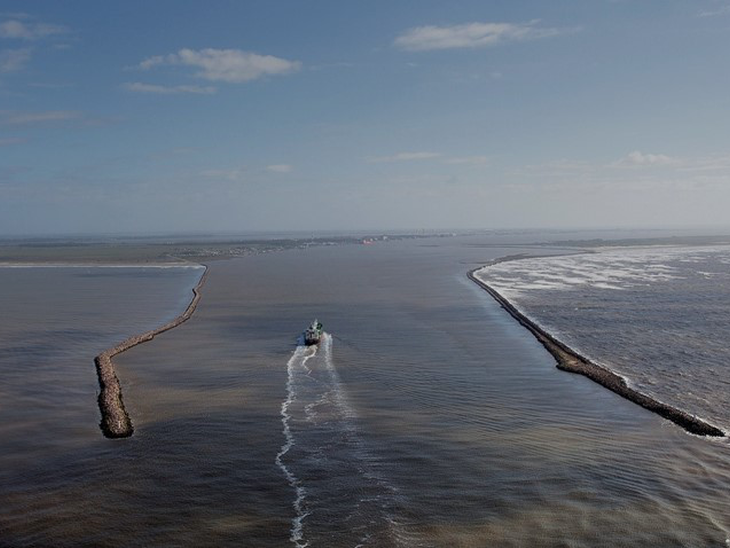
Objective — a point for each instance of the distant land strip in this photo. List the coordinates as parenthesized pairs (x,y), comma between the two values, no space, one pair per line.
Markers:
(571,361)
(115,422)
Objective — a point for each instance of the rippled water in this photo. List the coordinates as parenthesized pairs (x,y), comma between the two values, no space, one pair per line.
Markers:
(326,461)
(427,417)
(660,316)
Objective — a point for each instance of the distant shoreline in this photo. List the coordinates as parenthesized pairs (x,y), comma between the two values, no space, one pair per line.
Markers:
(573,362)
(99,264)
(115,421)
(170,251)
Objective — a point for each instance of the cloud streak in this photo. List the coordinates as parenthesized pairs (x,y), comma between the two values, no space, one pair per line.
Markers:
(636,171)
(225,65)
(140,87)
(406,157)
(424,155)
(279,168)
(18,30)
(232,174)
(14,59)
(472,35)
(637,158)
(33,118)
(467,160)
(723,10)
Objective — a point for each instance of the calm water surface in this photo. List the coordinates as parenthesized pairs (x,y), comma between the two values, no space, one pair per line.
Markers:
(427,417)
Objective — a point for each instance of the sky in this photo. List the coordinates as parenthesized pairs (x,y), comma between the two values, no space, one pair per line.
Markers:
(264,115)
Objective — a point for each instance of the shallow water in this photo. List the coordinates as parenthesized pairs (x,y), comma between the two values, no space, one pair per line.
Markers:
(428,417)
(657,315)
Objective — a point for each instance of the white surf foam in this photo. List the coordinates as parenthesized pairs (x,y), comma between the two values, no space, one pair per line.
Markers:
(609,269)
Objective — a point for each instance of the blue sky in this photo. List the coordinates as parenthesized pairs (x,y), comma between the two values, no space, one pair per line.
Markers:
(173,116)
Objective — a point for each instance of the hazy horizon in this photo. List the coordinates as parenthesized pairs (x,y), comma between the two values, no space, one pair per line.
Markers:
(237,117)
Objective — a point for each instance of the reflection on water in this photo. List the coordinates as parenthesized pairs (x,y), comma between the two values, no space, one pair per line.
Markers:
(428,417)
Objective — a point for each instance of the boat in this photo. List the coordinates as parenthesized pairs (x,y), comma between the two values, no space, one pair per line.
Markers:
(313,333)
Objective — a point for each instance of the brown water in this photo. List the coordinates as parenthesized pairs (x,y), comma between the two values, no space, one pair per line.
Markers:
(427,417)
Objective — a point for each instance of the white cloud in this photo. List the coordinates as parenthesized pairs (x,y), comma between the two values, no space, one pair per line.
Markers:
(637,158)
(30,118)
(18,30)
(140,87)
(13,59)
(723,10)
(157,60)
(279,168)
(407,156)
(225,65)
(472,35)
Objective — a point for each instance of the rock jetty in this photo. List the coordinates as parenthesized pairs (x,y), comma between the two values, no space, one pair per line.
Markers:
(115,421)
(569,360)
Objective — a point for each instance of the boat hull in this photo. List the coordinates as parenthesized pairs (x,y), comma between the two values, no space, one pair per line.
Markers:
(313,334)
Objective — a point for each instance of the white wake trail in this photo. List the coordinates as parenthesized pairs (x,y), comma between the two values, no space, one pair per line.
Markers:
(299,359)
(400,537)
(342,496)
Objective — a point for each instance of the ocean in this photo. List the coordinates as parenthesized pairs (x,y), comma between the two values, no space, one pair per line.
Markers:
(426,417)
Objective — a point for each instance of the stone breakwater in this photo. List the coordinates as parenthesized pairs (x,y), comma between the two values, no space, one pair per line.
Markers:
(115,422)
(569,360)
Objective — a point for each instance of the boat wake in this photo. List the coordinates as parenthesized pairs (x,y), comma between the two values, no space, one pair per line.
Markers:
(341,495)
(298,360)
